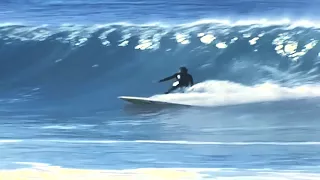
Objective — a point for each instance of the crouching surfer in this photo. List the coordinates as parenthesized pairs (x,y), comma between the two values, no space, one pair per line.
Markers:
(184,79)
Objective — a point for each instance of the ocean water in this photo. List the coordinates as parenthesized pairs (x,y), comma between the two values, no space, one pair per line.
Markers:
(255,105)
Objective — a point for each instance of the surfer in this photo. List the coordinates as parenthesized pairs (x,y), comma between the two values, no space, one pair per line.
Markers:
(183,77)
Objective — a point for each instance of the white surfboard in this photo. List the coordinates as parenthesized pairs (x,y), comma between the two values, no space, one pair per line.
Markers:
(143,101)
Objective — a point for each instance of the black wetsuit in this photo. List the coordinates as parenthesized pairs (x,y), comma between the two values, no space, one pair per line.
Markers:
(185,80)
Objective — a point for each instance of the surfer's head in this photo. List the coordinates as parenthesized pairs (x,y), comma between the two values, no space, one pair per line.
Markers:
(183,69)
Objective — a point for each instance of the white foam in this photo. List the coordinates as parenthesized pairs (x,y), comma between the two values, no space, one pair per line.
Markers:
(44,171)
(218,93)
(5,141)
(68,127)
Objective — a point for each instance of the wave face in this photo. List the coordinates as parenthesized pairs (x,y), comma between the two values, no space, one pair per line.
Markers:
(66,61)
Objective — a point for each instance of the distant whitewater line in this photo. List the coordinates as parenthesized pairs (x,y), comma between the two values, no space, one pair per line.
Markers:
(178,142)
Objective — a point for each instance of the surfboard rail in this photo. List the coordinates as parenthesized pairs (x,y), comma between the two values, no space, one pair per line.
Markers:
(145,101)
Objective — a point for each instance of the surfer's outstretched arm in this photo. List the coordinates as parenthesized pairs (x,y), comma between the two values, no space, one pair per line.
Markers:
(168,78)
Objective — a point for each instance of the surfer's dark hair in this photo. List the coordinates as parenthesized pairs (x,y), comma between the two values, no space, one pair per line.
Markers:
(183,69)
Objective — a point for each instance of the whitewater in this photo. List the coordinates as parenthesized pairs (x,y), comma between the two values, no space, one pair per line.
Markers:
(255,100)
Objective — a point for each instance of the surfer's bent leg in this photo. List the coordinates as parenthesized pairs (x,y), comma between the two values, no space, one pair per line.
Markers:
(172,89)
